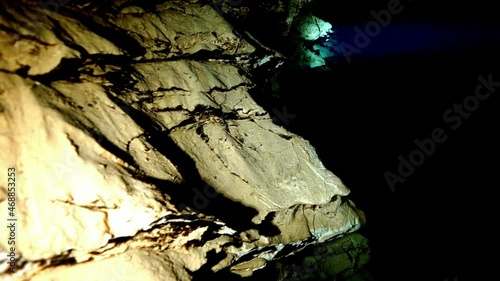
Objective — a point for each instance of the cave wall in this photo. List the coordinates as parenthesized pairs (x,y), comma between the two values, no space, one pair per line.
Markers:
(140,154)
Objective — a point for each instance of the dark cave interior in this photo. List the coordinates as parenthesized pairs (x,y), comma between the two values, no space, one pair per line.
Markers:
(360,116)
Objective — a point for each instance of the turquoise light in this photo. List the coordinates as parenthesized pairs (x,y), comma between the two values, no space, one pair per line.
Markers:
(314,29)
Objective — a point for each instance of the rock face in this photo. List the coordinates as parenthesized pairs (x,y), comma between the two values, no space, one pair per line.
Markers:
(139,153)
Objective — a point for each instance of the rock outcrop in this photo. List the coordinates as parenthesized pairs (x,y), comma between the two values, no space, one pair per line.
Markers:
(139,152)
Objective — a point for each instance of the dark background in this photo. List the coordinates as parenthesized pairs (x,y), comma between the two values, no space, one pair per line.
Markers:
(439,223)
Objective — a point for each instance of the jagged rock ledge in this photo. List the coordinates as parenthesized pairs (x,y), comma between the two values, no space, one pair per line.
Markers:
(140,153)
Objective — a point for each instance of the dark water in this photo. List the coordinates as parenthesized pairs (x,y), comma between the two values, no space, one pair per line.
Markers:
(438,223)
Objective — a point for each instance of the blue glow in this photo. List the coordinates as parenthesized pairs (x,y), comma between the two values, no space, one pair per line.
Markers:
(413,38)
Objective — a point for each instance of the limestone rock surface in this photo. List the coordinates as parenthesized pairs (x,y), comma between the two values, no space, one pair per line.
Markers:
(139,151)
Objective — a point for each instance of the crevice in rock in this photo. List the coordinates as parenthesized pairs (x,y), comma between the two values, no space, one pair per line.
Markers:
(97,25)
(213,258)
(23,71)
(94,208)
(10,72)
(225,90)
(61,259)
(283,136)
(178,108)
(171,89)
(67,70)
(267,228)
(204,114)
(116,241)
(74,144)
(207,56)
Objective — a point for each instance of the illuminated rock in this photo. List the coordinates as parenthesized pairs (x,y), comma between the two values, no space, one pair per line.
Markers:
(138,147)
